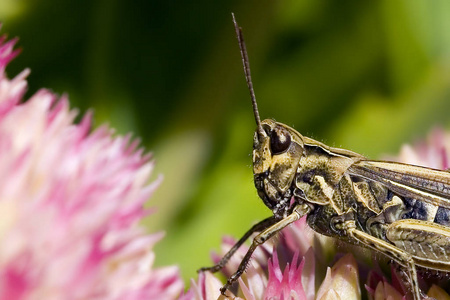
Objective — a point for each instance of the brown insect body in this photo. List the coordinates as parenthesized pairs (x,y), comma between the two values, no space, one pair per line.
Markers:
(399,210)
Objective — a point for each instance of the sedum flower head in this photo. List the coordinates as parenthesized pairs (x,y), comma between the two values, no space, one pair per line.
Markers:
(285,272)
(341,281)
(433,152)
(286,284)
(70,204)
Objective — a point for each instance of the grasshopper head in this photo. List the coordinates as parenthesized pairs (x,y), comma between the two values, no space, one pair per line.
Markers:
(277,150)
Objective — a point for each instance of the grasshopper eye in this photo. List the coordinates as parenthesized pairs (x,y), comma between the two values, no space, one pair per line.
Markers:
(280,140)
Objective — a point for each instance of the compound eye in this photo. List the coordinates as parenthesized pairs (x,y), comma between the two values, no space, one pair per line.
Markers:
(280,139)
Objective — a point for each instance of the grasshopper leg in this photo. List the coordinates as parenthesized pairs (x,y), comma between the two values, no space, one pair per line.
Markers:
(256,228)
(260,239)
(428,242)
(403,258)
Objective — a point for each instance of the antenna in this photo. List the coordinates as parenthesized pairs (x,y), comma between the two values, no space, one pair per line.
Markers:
(248,76)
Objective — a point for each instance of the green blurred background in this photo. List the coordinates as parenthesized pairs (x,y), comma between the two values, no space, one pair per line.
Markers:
(363,75)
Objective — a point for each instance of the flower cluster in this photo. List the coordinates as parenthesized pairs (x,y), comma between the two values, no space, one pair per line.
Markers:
(266,279)
(70,202)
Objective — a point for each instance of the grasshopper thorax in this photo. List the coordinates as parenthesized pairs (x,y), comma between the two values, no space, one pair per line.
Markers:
(277,150)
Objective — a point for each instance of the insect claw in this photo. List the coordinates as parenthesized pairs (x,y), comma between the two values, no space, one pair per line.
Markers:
(224,289)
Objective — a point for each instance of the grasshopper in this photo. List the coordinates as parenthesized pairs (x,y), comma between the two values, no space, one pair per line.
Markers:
(399,210)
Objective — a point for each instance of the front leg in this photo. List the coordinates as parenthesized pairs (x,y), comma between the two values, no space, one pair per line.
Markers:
(298,212)
(256,228)
(403,258)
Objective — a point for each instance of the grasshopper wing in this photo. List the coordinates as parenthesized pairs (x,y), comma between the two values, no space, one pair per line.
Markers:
(425,184)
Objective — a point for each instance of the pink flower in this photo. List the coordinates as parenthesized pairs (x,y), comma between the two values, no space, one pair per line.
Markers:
(341,281)
(379,288)
(286,284)
(70,204)
(433,152)
(285,274)
(207,288)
